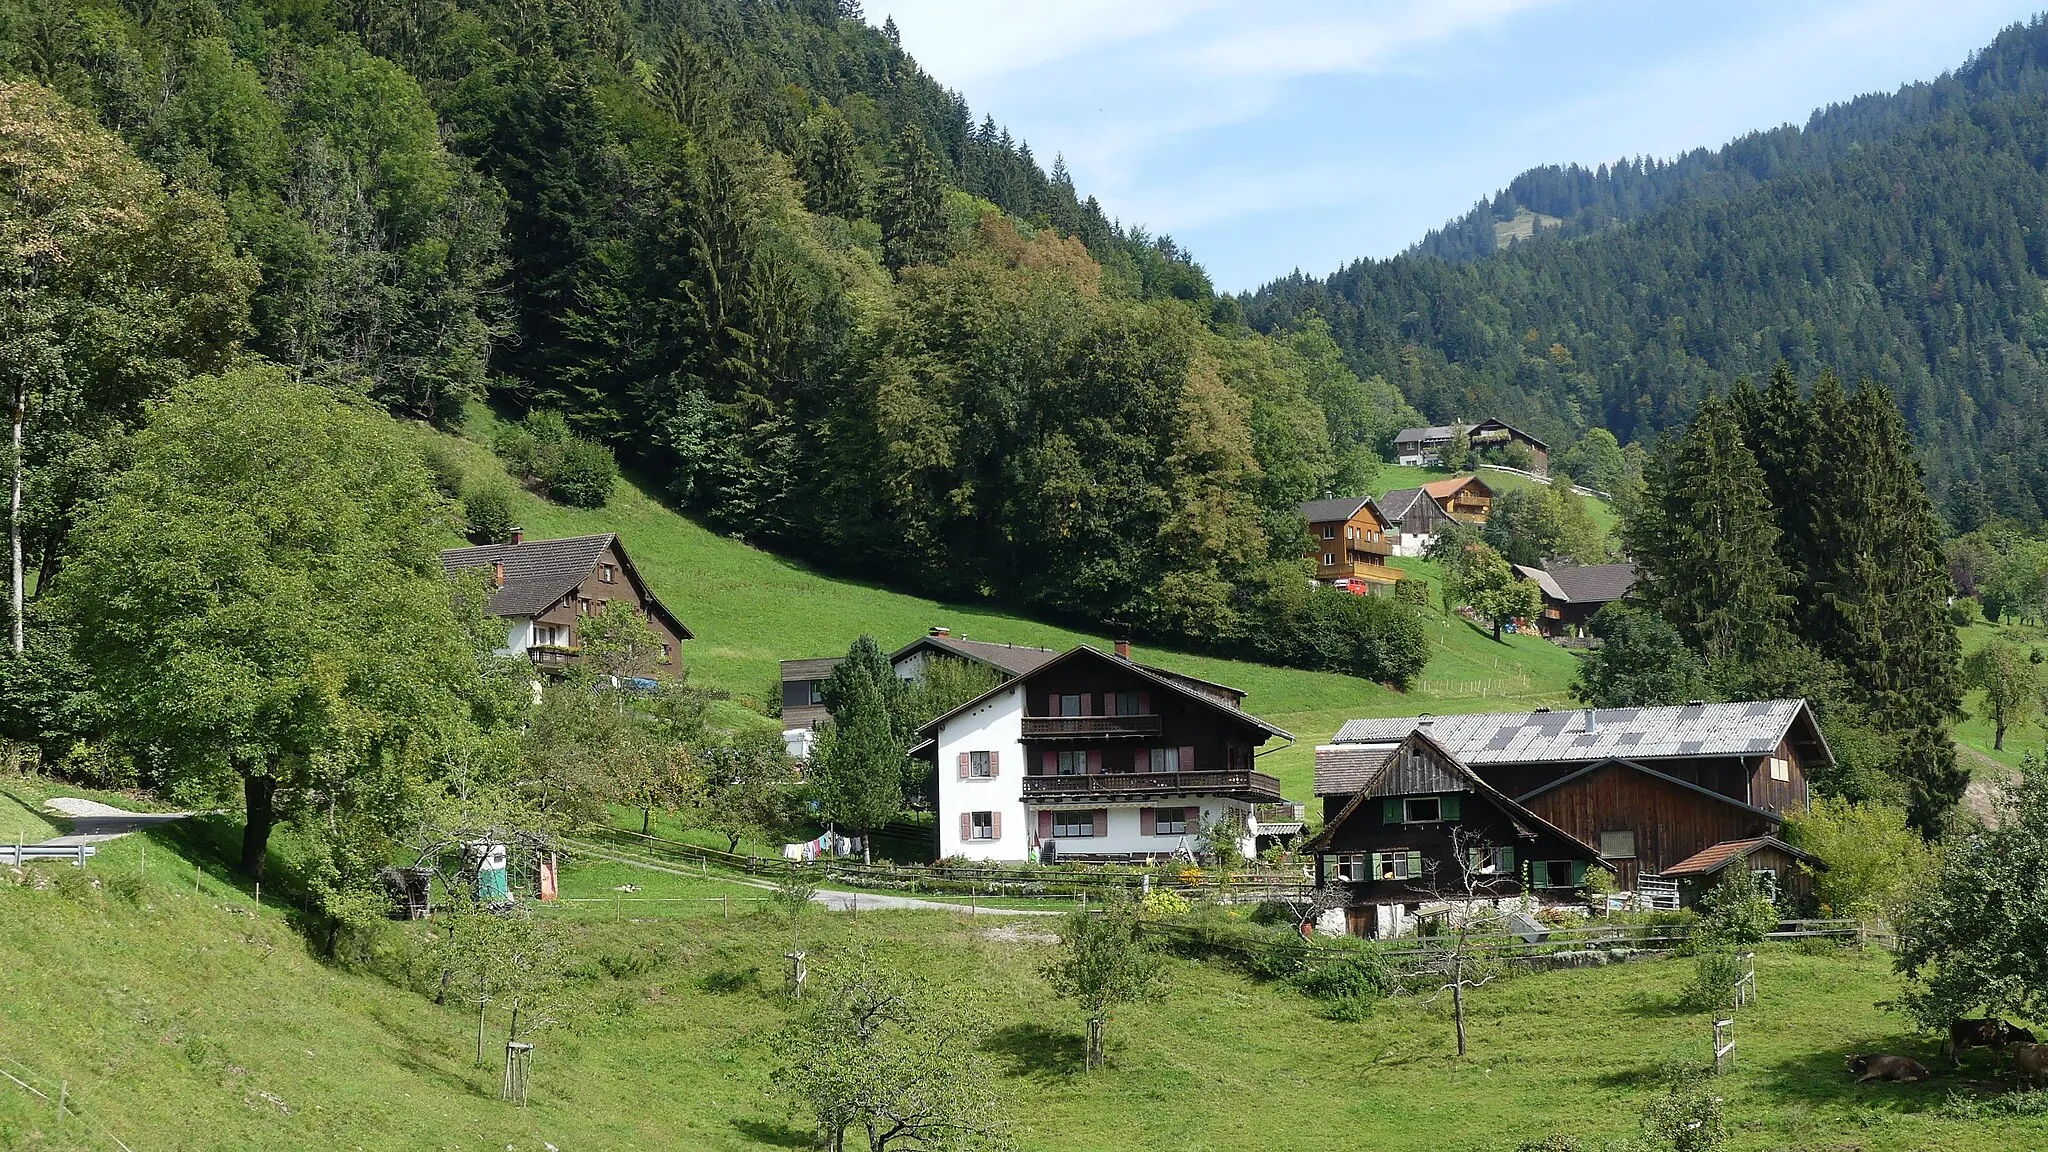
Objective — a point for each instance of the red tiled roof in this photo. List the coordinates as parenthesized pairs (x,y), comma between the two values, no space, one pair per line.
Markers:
(1713,859)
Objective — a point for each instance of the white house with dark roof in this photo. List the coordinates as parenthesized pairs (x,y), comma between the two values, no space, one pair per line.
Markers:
(545,589)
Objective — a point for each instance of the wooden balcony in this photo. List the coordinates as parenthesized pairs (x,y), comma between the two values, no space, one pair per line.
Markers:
(553,656)
(1240,785)
(1090,727)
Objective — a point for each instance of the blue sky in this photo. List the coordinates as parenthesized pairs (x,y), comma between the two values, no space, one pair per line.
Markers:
(1268,135)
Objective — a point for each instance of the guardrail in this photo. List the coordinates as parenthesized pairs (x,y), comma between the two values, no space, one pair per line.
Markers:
(19,854)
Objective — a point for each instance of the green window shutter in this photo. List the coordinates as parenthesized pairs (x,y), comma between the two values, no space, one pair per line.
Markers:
(1472,860)
(1414,864)
(1392,809)
(1375,873)
(1507,859)
(1329,869)
(1450,807)
(1578,873)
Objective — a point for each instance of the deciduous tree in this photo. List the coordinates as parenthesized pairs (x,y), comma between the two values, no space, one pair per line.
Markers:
(1103,962)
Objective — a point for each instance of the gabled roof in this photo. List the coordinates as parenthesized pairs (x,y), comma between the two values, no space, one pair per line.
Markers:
(539,573)
(1342,508)
(1168,681)
(1445,489)
(1646,770)
(1425,435)
(1342,769)
(1710,860)
(1526,822)
(1014,659)
(1509,428)
(1396,504)
(1541,579)
(1582,734)
(1594,583)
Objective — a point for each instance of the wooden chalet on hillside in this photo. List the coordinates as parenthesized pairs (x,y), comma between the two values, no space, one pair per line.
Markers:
(545,589)
(1666,797)
(1095,756)
(1573,593)
(1425,447)
(803,681)
(1417,515)
(1350,539)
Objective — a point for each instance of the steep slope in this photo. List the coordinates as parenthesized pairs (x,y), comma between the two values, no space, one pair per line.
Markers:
(1909,250)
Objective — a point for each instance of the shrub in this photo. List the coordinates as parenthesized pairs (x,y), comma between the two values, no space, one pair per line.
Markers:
(1161,904)
(519,450)
(444,464)
(488,509)
(1687,1117)
(1285,959)
(1715,971)
(1738,910)
(1351,974)
(579,473)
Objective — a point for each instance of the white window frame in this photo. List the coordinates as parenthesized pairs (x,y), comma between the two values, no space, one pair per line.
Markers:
(1163,759)
(1781,768)
(1164,827)
(1063,830)
(982,825)
(977,766)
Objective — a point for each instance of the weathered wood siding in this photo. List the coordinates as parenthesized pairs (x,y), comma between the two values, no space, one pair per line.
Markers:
(1670,823)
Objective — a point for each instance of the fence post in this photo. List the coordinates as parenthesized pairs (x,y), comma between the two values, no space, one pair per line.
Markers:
(728,906)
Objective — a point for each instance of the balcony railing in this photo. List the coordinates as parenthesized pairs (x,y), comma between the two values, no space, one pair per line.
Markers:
(1241,784)
(553,656)
(1056,727)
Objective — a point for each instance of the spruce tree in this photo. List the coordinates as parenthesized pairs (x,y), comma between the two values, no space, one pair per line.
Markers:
(1707,542)
(912,207)
(828,165)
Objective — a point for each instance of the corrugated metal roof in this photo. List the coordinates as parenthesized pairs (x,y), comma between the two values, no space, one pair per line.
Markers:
(1741,729)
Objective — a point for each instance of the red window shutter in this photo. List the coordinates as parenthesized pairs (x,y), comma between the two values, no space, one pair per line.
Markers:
(1095,762)
(1052,704)
(1187,758)
(1141,760)
(1087,703)
(966,765)
(1044,824)
(1050,761)
(1148,820)
(1101,821)
(1144,703)
(966,826)
(995,825)
(995,765)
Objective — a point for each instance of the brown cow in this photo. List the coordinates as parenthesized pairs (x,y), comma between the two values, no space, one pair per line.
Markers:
(1989,1033)
(1873,1066)
(2030,1063)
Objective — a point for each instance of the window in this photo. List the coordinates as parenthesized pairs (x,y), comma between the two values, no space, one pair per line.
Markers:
(983,826)
(817,691)
(1424,810)
(1349,866)
(1396,865)
(1556,873)
(1329,559)
(1127,704)
(664,653)
(607,573)
(1490,861)
(1071,763)
(1070,705)
(601,606)
(1419,809)
(1768,879)
(1171,822)
(1618,845)
(1165,759)
(1329,531)
(1067,825)
(583,605)
(547,635)
(977,765)
(1781,768)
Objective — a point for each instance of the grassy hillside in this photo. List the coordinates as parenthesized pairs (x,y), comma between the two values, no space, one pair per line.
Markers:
(182,1020)
(751,608)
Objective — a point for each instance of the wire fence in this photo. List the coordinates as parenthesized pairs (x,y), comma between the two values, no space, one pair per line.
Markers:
(56,1094)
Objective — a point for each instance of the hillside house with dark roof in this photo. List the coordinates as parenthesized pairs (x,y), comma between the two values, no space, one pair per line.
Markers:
(1418,515)
(1350,539)
(545,589)
(1572,593)
(1426,447)
(1418,832)
(1095,756)
(1649,788)
(803,681)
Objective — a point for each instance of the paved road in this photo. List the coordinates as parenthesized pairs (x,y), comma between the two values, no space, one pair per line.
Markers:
(838,901)
(95,823)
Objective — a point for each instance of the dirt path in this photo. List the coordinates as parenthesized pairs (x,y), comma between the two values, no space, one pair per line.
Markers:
(1987,778)
(95,823)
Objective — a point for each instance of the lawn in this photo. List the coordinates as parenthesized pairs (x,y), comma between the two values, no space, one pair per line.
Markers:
(751,608)
(167,1015)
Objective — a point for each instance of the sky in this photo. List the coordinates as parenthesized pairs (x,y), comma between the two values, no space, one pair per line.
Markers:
(1274,135)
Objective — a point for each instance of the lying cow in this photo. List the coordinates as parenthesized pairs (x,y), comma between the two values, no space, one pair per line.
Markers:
(2030,1062)
(1991,1033)
(1872,1066)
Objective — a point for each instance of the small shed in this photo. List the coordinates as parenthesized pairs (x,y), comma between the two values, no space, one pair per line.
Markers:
(1790,869)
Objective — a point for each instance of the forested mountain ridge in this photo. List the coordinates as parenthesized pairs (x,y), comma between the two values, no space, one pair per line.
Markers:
(1904,243)
(753,248)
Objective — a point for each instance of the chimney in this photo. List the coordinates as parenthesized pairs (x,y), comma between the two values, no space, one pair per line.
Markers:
(497,573)
(941,632)
(519,535)
(1123,649)
(1592,720)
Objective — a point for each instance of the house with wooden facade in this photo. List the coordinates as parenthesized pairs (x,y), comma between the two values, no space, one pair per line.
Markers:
(1426,447)
(1655,791)
(1349,539)
(1417,515)
(1573,593)
(1095,756)
(803,681)
(1411,829)
(544,590)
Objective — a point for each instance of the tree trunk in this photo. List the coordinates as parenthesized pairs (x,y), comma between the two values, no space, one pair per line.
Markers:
(1095,1029)
(14,589)
(646,818)
(1458,997)
(257,792)
(1496,631)
(867,848)
(1998,737)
